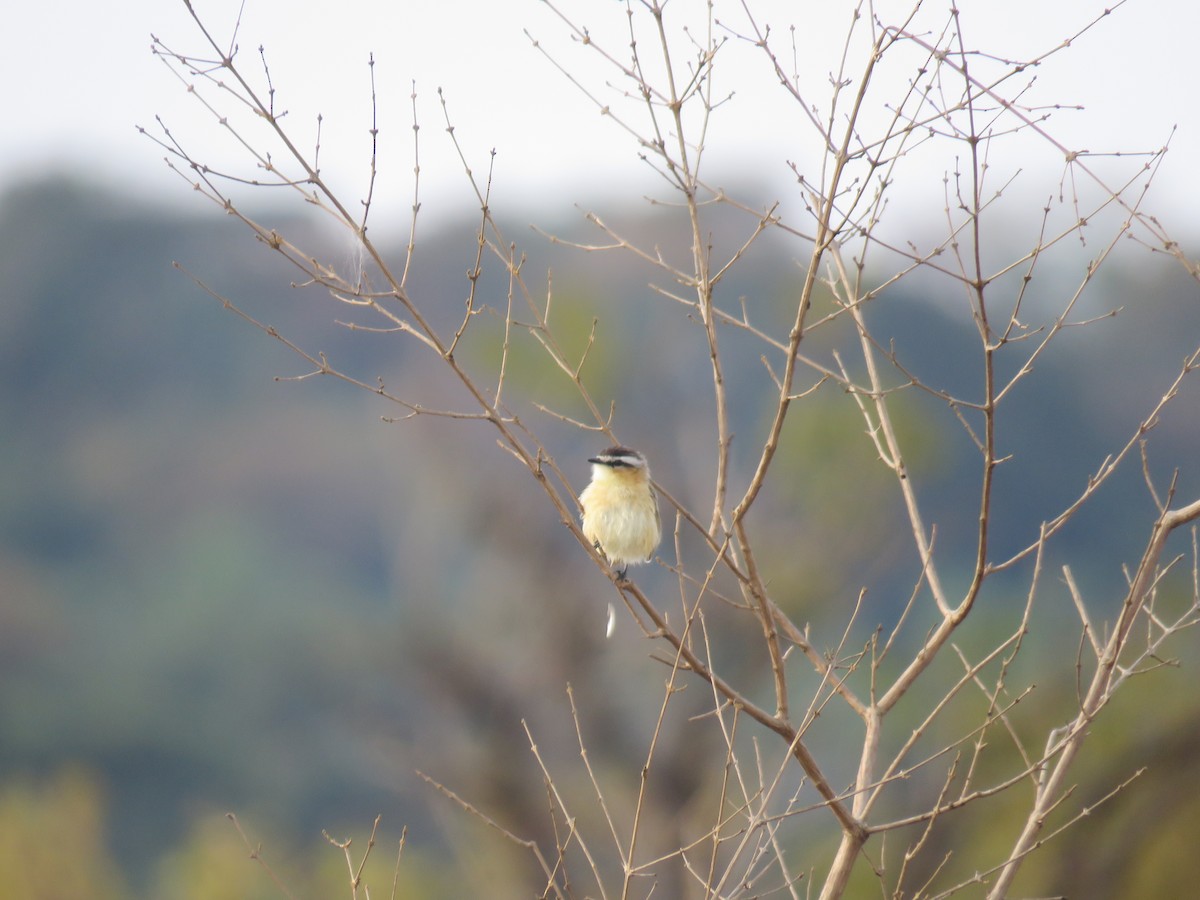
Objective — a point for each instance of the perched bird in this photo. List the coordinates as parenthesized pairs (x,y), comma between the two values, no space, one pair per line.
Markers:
(620,511)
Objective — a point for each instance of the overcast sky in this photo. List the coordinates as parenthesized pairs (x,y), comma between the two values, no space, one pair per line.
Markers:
(78,77)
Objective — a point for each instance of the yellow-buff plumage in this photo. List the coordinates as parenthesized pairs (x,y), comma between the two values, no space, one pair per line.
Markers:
(620,510)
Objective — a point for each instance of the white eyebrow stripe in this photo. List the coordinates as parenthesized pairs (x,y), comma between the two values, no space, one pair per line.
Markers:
(623,459)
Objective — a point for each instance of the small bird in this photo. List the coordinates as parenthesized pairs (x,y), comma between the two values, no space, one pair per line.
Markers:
(620,510)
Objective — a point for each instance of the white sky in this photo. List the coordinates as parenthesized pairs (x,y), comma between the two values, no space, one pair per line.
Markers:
(78,77)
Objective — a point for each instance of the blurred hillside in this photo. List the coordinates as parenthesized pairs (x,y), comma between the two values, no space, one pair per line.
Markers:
(222,592)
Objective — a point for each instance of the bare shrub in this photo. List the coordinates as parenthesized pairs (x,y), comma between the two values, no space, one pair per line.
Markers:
(945,738)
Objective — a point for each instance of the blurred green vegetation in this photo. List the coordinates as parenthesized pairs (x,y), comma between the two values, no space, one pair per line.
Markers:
(52,839)
(222,592)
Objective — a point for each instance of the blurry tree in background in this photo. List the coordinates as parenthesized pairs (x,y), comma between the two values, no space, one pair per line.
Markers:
(35,820)
(791,752)
(864,676)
